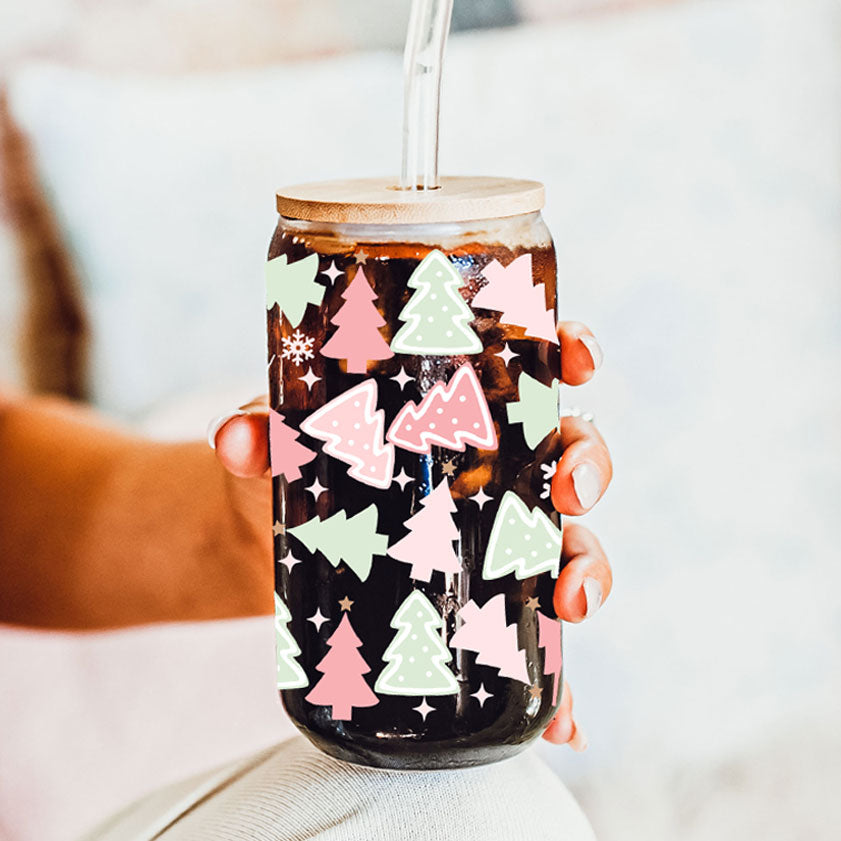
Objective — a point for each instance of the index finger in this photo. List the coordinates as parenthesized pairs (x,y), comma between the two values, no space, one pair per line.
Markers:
(581,354)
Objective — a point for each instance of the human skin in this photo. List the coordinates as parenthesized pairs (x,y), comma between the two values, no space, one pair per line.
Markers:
(100,528)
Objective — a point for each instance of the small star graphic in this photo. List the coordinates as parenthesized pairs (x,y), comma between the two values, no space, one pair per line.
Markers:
(317,619)
(424,709)
(401,378)
(448,468)
(532,603)
(506,354)
(278,528)
(289,561)
(402,479)
(535,691)
(481,695)
(310,378)
(361,256)
(345,603)
(333,272)
(481,498)
(316,488)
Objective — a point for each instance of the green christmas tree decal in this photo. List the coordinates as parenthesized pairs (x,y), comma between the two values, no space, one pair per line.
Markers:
(522,541)
(292,286)
(354,540)
(537,409)
(417,654)
(437,317)
(290,675)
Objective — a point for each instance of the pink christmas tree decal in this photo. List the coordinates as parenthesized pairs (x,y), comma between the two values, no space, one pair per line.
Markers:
(549,639)
(522,303)
(343,686)
(352,428)
(451,415)
(286,454)
(429,544)
(485,632)
(357,340)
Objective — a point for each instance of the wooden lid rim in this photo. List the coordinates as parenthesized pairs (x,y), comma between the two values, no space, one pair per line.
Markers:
(378,201)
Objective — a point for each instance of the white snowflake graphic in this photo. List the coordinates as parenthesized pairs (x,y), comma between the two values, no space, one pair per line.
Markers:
(548,473)
(297,347)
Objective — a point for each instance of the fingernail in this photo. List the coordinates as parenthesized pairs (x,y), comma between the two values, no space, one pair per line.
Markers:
(578,742)
(594,349)
(217,423)
(587,483)
(592,595)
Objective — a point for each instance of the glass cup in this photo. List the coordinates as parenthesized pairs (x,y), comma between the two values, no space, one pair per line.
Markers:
(414,367)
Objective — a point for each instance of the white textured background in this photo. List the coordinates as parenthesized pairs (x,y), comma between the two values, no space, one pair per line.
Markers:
(691,156)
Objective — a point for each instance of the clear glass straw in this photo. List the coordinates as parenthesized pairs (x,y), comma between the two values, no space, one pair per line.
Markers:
(429,25)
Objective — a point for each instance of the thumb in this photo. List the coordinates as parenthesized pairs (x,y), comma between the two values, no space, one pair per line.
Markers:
(241,439)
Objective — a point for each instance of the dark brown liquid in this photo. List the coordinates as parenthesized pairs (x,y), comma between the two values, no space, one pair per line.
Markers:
(460,731)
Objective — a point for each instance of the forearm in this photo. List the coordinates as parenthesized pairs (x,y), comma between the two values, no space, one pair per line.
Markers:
(101,529)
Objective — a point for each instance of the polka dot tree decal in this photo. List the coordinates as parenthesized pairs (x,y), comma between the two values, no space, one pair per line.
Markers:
(451,415)
(416,656)
(352,427)
(522,541)
(436,317)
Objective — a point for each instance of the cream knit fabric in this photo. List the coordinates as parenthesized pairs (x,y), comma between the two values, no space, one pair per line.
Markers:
(294,792)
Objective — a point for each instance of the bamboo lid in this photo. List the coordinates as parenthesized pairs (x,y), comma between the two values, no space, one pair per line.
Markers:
(376,201)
